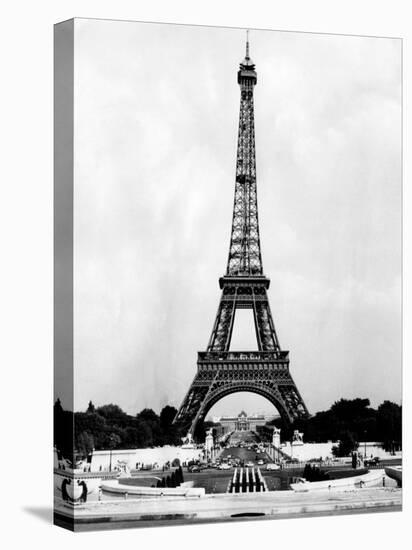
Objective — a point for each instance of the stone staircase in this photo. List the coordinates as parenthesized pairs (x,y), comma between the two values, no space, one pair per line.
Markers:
(247,480)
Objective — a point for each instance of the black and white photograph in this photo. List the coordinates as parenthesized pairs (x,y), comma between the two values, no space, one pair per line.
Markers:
(227,274)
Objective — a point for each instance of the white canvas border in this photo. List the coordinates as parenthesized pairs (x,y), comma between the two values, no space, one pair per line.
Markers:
(27,273)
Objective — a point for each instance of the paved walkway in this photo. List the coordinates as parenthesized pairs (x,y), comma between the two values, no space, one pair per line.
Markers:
(219,507)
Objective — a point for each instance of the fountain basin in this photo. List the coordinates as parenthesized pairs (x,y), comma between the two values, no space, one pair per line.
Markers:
(371,479)
(135,490)
(395,472)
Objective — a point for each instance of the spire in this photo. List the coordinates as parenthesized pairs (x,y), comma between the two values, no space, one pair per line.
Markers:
(247,63)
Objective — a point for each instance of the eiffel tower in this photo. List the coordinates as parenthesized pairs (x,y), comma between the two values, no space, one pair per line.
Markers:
(265,371)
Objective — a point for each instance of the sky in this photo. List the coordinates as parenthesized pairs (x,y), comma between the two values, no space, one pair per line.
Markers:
(156,114)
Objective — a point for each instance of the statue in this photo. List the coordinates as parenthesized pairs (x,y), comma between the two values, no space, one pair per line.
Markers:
(188,442)
(209,443)
(276,437)
(274,449)
(297,438)
(122,465)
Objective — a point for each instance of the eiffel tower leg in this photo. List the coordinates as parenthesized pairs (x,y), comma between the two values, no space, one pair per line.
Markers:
(293,400)
(265,328)
(223,327)
(191,405)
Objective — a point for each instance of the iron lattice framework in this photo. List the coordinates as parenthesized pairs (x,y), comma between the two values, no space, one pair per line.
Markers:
(265,371)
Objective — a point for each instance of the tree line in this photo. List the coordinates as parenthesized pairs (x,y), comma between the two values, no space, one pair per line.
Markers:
(109,427)
(348,421)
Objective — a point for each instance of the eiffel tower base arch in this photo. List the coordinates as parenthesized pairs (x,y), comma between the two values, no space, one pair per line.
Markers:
(219,375)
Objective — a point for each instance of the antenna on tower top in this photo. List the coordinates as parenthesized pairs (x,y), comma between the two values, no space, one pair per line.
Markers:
(247,43)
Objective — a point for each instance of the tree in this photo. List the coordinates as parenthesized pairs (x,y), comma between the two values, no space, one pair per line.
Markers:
(113,440)
(144,434)
(58,409)
(148,415)
(354,415)
(91,408)
(148,418)
(347,409)
(84,444)
(63,432)
(169,431)
(111,412)
(313,473)
(93,424)
(179,476)
(389,422)
(346,445)
(167,415)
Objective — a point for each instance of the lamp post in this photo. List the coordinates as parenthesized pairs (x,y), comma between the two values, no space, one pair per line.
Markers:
(112,444)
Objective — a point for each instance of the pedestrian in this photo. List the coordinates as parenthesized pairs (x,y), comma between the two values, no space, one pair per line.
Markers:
(83,497)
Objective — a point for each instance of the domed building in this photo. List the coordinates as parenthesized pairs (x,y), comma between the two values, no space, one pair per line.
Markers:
(242,422)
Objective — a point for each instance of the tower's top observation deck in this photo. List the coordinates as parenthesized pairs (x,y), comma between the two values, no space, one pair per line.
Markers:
(247,74)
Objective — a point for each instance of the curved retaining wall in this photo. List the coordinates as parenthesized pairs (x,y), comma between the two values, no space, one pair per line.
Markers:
(182,491)
(371,479)
(395,472)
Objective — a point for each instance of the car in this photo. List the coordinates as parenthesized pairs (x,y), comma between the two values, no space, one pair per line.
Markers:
(272,466)
(249,464)
(260,462)
(194,469)
(372,461)
(224,466)
(292,461)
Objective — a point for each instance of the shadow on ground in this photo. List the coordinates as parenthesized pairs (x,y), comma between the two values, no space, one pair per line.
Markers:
(41,512)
